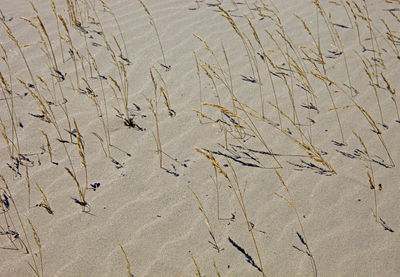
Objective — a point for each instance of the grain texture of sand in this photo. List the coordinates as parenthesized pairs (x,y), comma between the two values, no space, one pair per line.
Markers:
(199,138)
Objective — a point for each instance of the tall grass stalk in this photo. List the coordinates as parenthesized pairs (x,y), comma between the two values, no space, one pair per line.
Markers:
(239,196)
(153,23)
(291,203)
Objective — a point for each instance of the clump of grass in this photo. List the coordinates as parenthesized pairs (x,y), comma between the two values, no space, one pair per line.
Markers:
(364,112)
(248,124)
(122,85)
(321,61)
(233,183)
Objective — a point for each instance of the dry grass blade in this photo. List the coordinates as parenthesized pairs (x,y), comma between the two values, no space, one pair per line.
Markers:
(154,110)
(216,269)
(200,87)
(153,23)
(128,264)
(27,246)
(165,94)
(214,162)
(197,272)
(80,188)
(371,177)
(81,150)
(239,195)
(48,145)
(210,229)
(394,95)
(101,142)
(291,203)
(28,185)
(248,124)
(45,203)
(6,139)
(39,245)
(310,149)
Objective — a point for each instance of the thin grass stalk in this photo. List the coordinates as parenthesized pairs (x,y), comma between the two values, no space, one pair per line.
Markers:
(35,94)
(328,89)
(72,49)
(291,203)
(197,272)
(366,115)
(128,264)
(234,185)
(393,93)
(28,245)
(250,124)
(54,9)
(154,109)
(207,220)
(28,185)
(199,78)
(48,145)
(39,245)
(109,10)
(7,88)
(371,177)
(81,151)
(153,23)
(226,15)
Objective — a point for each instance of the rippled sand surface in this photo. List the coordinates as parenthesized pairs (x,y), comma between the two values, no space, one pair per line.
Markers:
(293,103)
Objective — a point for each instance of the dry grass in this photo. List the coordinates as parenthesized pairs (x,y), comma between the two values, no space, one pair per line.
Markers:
(264,119)
(211,230)
(153,103)
(153,23)
(45,203)
(128,264)
(303,238)
(233,183)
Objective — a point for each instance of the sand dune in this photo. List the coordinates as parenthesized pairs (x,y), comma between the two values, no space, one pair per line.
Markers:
(307,91)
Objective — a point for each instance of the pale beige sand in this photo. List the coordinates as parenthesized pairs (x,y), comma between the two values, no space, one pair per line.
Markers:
(152,212)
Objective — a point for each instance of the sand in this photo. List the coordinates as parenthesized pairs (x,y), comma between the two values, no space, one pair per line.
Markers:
(151,211)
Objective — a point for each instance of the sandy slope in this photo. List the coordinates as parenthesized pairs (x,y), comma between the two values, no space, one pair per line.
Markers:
(151,211)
